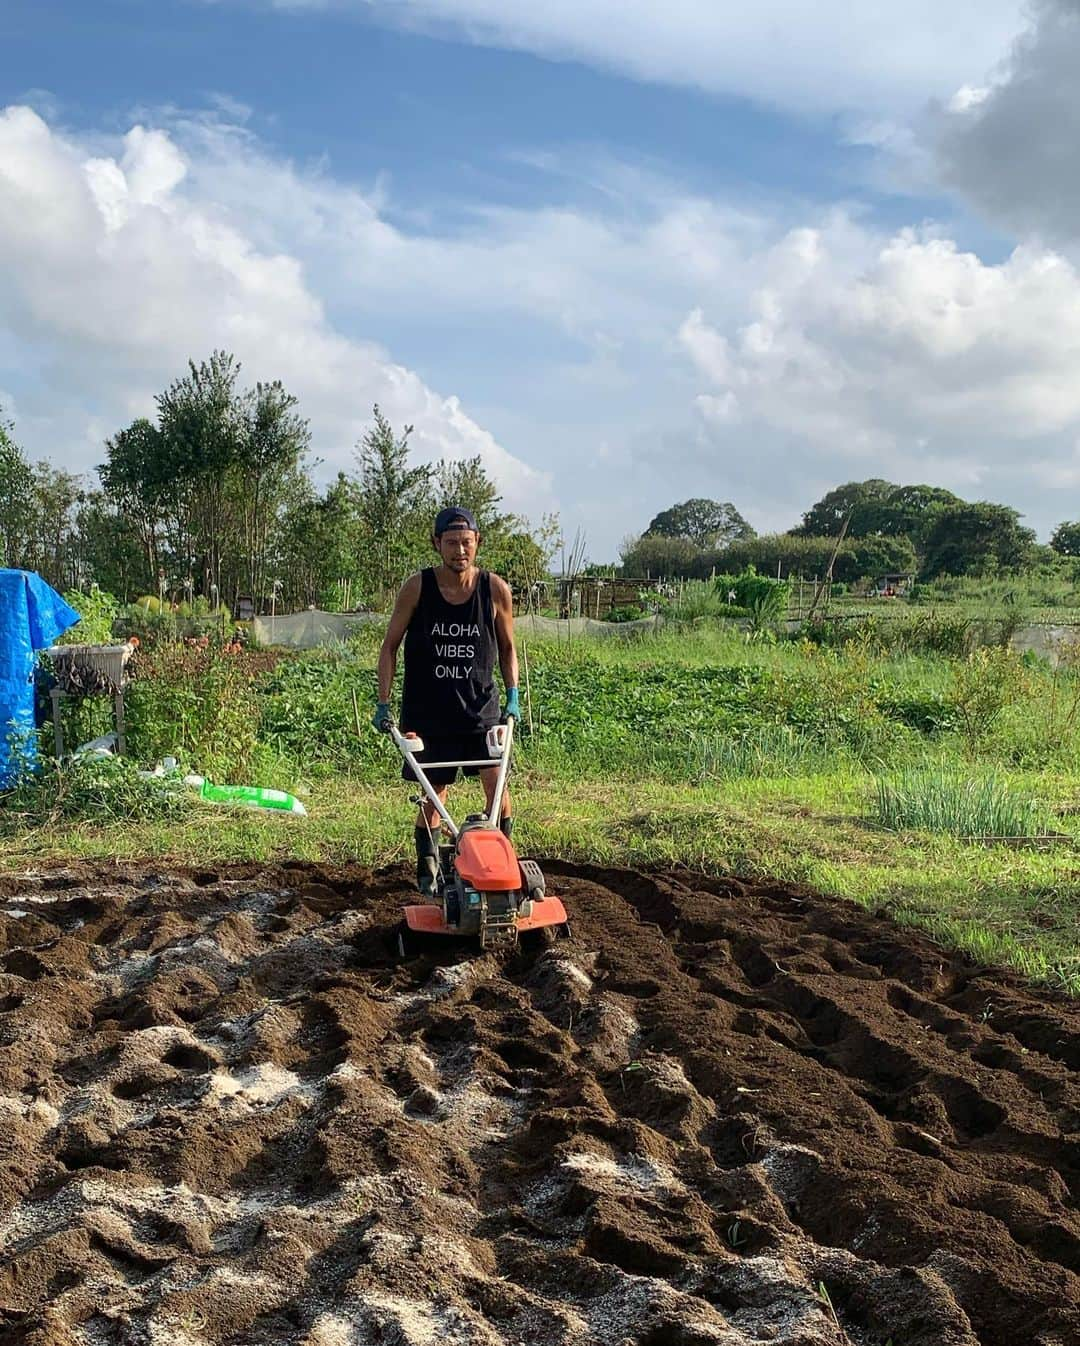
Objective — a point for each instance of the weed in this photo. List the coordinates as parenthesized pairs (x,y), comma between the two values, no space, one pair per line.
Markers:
(983,684)
(826,1301)
(104,790)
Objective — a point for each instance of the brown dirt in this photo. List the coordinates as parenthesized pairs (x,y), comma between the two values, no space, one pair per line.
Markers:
(722,1114)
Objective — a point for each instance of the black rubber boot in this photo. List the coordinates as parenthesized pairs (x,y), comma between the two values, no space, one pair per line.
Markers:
(506,826)
(427,860)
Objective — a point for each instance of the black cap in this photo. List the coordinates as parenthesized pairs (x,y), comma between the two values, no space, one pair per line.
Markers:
(454,517)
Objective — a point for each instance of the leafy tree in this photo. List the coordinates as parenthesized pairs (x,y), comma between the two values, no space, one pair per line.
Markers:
(137,487)
(906,511)
(465,482)
(272,444)
(871,557)
(791,554)
(660,558)
(15,489)
(206,487)
(320,556)
(976,539)
(54,498)
(111,550)
(1065,539)
(856,498)
(201,427)
(707,523)
(394,507)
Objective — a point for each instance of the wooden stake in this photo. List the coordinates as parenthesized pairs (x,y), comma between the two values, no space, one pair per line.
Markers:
(528,688)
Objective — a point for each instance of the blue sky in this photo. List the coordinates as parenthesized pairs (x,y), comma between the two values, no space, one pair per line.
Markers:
(627,256)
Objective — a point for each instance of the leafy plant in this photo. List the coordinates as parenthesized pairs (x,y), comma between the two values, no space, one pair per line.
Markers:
(198,706)
(97,611)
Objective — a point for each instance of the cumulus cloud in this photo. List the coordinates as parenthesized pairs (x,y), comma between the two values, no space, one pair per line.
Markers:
(904,358)
(117,269)
(824,56)
(674,345)
(1010,147)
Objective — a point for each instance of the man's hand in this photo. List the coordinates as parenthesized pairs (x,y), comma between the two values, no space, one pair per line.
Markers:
(382,719)
(513,705)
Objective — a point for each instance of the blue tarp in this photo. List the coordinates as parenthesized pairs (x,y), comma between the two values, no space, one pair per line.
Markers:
(32,616)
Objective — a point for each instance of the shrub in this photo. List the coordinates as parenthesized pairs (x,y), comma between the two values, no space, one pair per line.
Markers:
(981,686)
(198,706)
(699,600)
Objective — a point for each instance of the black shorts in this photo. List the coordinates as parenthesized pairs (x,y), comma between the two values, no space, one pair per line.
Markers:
(450,748)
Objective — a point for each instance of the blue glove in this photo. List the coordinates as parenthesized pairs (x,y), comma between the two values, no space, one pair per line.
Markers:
(513,705)
(382,719)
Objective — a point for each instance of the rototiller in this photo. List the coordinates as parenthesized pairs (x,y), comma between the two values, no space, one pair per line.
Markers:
(482,890)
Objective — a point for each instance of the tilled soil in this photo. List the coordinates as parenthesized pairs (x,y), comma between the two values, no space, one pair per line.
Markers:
(721,1114)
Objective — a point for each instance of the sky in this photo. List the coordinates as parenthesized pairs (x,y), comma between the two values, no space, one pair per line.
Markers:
(626,253)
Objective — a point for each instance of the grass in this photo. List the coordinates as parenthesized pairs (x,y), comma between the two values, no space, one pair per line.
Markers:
(942,799)
(695,747)
(1020,908)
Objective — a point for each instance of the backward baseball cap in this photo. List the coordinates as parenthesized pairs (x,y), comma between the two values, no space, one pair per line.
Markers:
(454,517)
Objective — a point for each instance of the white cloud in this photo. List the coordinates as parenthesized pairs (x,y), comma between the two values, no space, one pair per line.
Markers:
(116,271)
(674,345)
(968,97)
(823,56)
(905,358)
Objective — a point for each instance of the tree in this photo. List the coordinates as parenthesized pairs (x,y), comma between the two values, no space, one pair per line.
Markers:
(465,482)
(789,554)
(660,558)
(394,507)
(862,558)
(1065,539)
(201,425)
(15,489)
(976,539)
(907,511)
(856,498)
(205,489)
(110,549)
(320,555)
(707,523)
(51,545)
(272,444)
(135,485)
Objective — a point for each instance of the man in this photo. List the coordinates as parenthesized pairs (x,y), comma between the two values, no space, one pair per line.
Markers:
(454,618)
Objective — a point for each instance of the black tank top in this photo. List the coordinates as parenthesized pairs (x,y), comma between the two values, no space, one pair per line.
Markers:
(450,651)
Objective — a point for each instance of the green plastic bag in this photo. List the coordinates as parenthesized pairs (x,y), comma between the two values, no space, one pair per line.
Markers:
(254,796)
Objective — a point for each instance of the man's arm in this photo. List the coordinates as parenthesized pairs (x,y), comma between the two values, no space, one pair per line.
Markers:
(400,618)
(503,603)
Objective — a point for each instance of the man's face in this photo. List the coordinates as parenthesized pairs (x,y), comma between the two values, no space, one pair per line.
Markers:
(457,547)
